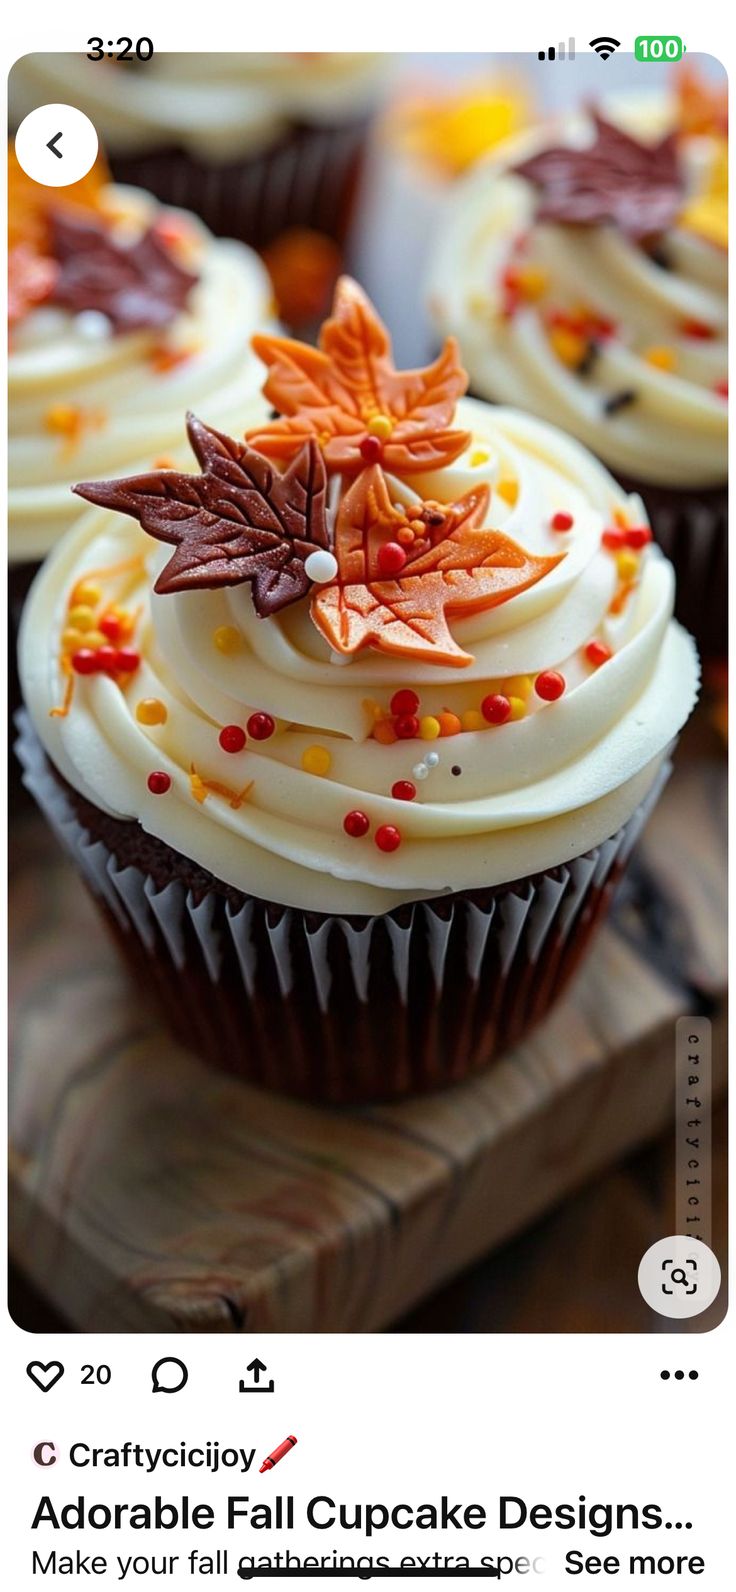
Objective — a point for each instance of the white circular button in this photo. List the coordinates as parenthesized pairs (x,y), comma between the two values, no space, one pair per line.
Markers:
(679,1277)
(56,145)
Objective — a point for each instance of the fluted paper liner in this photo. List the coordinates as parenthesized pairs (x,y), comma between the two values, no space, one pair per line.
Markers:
(338,1008)
(307,179)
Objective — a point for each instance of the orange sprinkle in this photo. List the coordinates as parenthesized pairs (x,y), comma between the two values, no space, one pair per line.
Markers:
(62,711)
(165,359)
(202,788)
(384,732)
(621,597)
(509,491)
(449,723)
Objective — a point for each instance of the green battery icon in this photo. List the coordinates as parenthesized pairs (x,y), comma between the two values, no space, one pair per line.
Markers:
(659,47)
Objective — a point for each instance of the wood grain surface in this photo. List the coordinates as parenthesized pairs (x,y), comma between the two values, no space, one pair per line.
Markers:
(149,1194)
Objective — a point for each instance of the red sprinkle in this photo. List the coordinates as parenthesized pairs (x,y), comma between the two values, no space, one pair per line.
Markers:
(614,538)
(371,449)
(406,727)
(638,536)
(549,685)
(391,558)
(562,521)
(699,329)
(404,702)
(127,660)
(496,709)
(232,738)
(85,661)
(404,790)
(388,838)
(356,824)
(261,726)
(721,387)
(158,783)
(107,659)
(111,627)
(597,653)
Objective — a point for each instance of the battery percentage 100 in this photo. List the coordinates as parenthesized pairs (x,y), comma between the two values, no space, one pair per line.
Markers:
(659,47)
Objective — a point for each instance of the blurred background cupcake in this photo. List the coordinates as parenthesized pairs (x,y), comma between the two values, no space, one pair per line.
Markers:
(584,270)
(253,142)
(435,128)
(367,722)
(122,313)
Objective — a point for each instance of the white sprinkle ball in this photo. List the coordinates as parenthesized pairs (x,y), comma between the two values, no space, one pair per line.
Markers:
(420,771)
(432,759)
(93,326)
(321,566)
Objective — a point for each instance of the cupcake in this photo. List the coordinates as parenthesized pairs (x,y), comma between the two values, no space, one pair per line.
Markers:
(252,142)
(122,314)
(584,270)
(388,695)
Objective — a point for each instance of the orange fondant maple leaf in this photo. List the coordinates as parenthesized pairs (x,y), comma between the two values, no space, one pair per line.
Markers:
(31,279)
(452,567)
(335,391)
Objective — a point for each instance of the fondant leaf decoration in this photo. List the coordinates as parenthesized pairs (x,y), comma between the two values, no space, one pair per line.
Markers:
(702,107)
(30,204)
(455,568)
(237,521)
(138,286)
(335,391)
(31,278)
(638,187)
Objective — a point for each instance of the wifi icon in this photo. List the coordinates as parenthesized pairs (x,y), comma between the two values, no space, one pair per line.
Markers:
(604,47)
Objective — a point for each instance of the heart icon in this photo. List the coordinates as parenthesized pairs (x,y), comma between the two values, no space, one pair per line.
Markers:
(45,1376)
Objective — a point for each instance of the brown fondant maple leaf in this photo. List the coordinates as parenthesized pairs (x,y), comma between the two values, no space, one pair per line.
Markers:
(237,521)
(637,186)
(31,278)
(333,392)
(455,568)
(138,286)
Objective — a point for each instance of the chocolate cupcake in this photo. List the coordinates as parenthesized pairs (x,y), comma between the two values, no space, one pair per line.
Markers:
(584,270)
(387,708)
(253,142)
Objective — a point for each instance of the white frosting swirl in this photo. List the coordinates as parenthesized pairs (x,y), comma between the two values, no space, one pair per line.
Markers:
(531,793)
(675,432)
(217,106)
(130,409)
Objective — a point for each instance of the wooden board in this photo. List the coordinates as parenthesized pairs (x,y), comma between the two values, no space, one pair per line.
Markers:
(149,1194)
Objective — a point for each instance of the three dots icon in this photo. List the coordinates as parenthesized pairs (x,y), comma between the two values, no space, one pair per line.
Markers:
(679,1376)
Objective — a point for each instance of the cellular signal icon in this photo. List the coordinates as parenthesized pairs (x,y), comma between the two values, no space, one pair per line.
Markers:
(604,47)
(558,53)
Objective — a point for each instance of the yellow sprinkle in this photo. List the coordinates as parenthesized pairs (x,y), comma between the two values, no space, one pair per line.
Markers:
(531,281)
(429,729)
(197,786)
(151,711)
(95,638)
(662,358)
(82,617)
(518,708)
(227,639)
(472,720)
(568,346)
(64,419)
(86,594)
(518,685)
(478,457)
(509,491)
(316,760)
(72,639)
(380,426)
(627,564)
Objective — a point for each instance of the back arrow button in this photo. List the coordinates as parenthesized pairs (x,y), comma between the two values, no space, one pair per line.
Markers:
(52,146)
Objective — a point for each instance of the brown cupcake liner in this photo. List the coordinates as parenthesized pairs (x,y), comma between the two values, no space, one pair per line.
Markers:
(308,179)
(334,1008)
(691,527)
